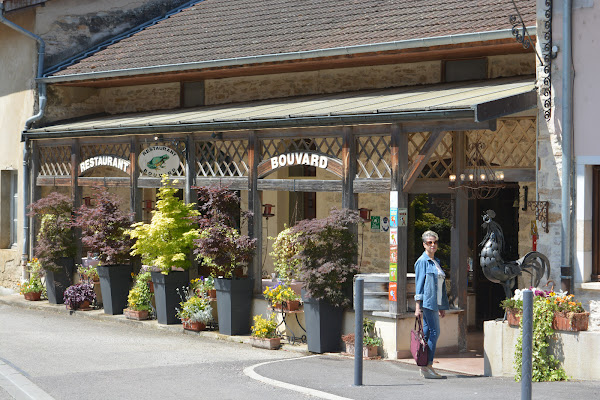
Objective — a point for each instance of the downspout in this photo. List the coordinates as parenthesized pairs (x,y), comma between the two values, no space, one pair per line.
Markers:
(566,268)
(36,117)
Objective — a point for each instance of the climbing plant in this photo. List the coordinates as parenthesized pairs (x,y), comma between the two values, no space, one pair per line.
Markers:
(545,367)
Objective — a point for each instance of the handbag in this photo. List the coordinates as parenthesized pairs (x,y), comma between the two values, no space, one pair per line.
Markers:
(418,345)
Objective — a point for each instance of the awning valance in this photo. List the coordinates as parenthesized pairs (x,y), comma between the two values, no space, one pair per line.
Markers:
(480,101)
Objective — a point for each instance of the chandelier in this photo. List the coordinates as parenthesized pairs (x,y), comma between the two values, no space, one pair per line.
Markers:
(478,179)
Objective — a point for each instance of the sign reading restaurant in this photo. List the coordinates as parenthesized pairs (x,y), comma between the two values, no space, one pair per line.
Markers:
(158,160)
(300,158)
(104,161)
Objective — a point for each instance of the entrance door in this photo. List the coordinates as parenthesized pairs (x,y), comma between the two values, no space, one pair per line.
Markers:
(490,294)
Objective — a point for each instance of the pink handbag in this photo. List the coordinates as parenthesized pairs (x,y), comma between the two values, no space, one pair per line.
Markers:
(418,345)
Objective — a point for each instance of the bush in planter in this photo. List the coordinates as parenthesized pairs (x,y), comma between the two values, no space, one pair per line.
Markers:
(264,333)
(327,252)
(139,299)
(195,311)
(165,243)
(55,245)
(76,295)
(285,247)
(33,289)
(89,273)
(103,231)
(370,341)
(222,248)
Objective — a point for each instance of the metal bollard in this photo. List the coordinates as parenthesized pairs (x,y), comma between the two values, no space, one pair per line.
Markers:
(527,341)
(359,288)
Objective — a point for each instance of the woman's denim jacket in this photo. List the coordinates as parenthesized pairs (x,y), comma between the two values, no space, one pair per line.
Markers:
(426,284)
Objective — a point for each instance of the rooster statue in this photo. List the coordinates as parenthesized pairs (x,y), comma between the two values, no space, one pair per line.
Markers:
(506,272)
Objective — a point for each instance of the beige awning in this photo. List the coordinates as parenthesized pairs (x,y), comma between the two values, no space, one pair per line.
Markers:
(480,100)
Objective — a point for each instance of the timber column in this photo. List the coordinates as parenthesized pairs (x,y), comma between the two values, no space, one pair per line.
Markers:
(254,204)
(398,218)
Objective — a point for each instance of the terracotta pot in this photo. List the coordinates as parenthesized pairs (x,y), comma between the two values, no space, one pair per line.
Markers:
(193,326)
(368,351)
(266,343)
(291,305)
(212,294)
(134,314)
(84,306)
(572,322)
(513,316)
(151,286)
(33,296)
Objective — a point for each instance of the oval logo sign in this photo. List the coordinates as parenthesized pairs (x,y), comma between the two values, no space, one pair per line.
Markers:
(158,160)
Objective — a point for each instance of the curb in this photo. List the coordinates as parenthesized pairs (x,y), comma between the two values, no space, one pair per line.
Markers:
(99,315)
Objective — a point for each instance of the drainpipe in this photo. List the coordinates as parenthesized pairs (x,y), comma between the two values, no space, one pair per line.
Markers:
(566,268)
(36,117)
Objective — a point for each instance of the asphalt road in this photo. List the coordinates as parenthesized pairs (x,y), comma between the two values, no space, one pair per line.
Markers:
(75,357)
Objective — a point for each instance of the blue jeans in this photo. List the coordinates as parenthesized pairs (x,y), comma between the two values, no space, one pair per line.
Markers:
(431,330)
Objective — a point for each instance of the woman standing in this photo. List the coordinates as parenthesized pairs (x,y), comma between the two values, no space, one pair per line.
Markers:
(430,297)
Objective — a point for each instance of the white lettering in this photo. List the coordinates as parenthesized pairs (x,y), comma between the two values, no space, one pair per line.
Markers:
(322,162)
(290,159)
(305,159)
(298,158)
(282,160)
(274,163)
(314,160)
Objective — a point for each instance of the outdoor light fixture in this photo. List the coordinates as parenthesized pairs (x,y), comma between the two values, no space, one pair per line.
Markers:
(147,205)
(267,212)
(365,214)
(478,179)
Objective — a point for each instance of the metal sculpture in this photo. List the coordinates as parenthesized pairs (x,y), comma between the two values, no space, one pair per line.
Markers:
(503,272)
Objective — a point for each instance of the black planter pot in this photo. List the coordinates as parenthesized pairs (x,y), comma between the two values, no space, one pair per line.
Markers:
(57,281)
(234,305)
(166,297)
(323,325)
(115,281)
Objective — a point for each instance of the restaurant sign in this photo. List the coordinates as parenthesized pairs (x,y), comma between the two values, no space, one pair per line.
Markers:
(158,160)
(104,161)
(309,158)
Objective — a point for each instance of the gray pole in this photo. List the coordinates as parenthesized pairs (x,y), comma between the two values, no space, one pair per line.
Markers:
(359,287)
(527,342)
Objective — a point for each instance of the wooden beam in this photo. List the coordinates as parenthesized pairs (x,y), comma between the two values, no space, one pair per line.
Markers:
(421,159)
(231,183)
(254,205)
(348,168)
(300,185)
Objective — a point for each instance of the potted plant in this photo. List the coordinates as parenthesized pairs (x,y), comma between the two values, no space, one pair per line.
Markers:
(282,297)
(195,311)
(204,286)
(222,249)
(33,289)
(165,243)
(569,314)
(513,308)
(370,341)
(285,247)
(55,245)
(103,230)
(264,333)
(79,296)
(139,300)
(328,250)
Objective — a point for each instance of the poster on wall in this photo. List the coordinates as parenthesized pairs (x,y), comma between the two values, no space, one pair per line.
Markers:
(402,217)
(385,224)
(392,293)
(393,272)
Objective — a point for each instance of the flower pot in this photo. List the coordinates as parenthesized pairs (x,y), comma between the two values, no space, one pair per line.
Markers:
(212,294)
(83,306)
(513,316)
(57,281)
(115,281)
(234,301)
(368,351)
(193,326)
(135,314)
(266,343)
(166,296)
(33,296)
(151,286)
(570,321)
(323,325)
(292,305)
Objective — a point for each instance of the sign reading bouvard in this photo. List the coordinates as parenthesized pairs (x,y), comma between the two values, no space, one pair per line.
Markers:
(331,164)
(158,160)
(104,161)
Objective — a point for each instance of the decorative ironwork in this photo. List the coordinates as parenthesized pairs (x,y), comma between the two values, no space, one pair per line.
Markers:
(446,207)
(545,88)
(478,179)
(517,23)
(506,272)
(541,212)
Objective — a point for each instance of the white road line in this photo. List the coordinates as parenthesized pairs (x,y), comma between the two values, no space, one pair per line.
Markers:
(249,371)
(18,386)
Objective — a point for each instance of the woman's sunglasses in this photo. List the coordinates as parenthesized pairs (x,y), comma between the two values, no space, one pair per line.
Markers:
(430,242)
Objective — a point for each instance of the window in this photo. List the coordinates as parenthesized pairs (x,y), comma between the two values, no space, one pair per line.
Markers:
(192,94)
(9,198)
(464,70)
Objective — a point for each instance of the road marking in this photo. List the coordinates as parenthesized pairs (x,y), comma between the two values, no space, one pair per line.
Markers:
(18,386)
(249,371)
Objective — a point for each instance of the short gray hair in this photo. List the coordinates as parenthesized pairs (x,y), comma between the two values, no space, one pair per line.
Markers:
(428,234)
